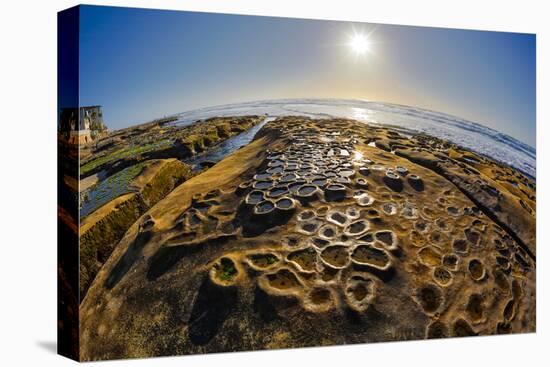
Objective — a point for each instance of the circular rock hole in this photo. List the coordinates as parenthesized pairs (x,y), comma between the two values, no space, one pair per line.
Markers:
(476,269)
(430,298)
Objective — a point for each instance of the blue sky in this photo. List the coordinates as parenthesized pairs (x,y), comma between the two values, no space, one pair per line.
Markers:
(143,64)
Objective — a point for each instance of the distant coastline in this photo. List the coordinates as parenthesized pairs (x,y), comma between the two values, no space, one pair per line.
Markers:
(468,134)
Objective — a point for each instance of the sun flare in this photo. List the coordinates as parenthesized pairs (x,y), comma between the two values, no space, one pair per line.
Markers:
(360,44)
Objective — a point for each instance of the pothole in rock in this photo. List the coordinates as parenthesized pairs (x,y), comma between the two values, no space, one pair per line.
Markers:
(319,299)
(307,191)
(393,181)
(472,236)
(430,298)
(503,263)
(360,292)
(371,256)
(356,228)
(328,231)
(309,227)
(352,213)
(224,271)
(389,208)
(338,218)
(443,225)
(264,207)
(476,269)
(416,182)
(320,243)
(336,255)
(509,310)
(263,260)
(502,282)
(429,256)
(335,192)
(453,211)
(409,211)
(262,185)
(436,330)
(461,247)
(450,261)
(262,176)
(322,211)
(475,308)
(462,328)
(283,279)
(305,258)
(285,204)
(421,226)
(254,197)
(364,199)
(388,238)
(277,191)
(306,215)
(442,276)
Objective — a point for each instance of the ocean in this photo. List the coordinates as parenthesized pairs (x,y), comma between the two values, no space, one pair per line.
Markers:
(474,136)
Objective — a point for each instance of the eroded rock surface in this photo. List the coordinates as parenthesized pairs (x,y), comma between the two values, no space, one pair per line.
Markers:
(101,230)
(313,235)
(125,177)
(159,139)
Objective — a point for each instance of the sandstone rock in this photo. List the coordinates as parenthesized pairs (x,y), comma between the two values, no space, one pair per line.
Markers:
(253,254)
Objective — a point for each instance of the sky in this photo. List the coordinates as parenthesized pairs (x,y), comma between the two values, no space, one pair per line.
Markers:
(144,64)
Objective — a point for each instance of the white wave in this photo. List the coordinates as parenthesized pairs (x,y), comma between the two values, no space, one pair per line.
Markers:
(471,135)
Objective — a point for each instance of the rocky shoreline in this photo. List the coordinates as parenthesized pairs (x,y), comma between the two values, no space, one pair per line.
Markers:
(138,171)
(319,232)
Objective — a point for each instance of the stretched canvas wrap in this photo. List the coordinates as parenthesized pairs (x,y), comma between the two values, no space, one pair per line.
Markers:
(231,183)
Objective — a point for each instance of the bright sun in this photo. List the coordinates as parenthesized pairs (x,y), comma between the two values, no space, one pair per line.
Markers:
(359,44)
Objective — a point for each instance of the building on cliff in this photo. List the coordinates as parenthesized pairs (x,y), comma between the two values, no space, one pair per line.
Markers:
(83,125)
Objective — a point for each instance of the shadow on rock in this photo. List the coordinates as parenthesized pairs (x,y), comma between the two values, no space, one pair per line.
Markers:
(263,306)
(127,260)
(213,304)
(254,224)
(166,257)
